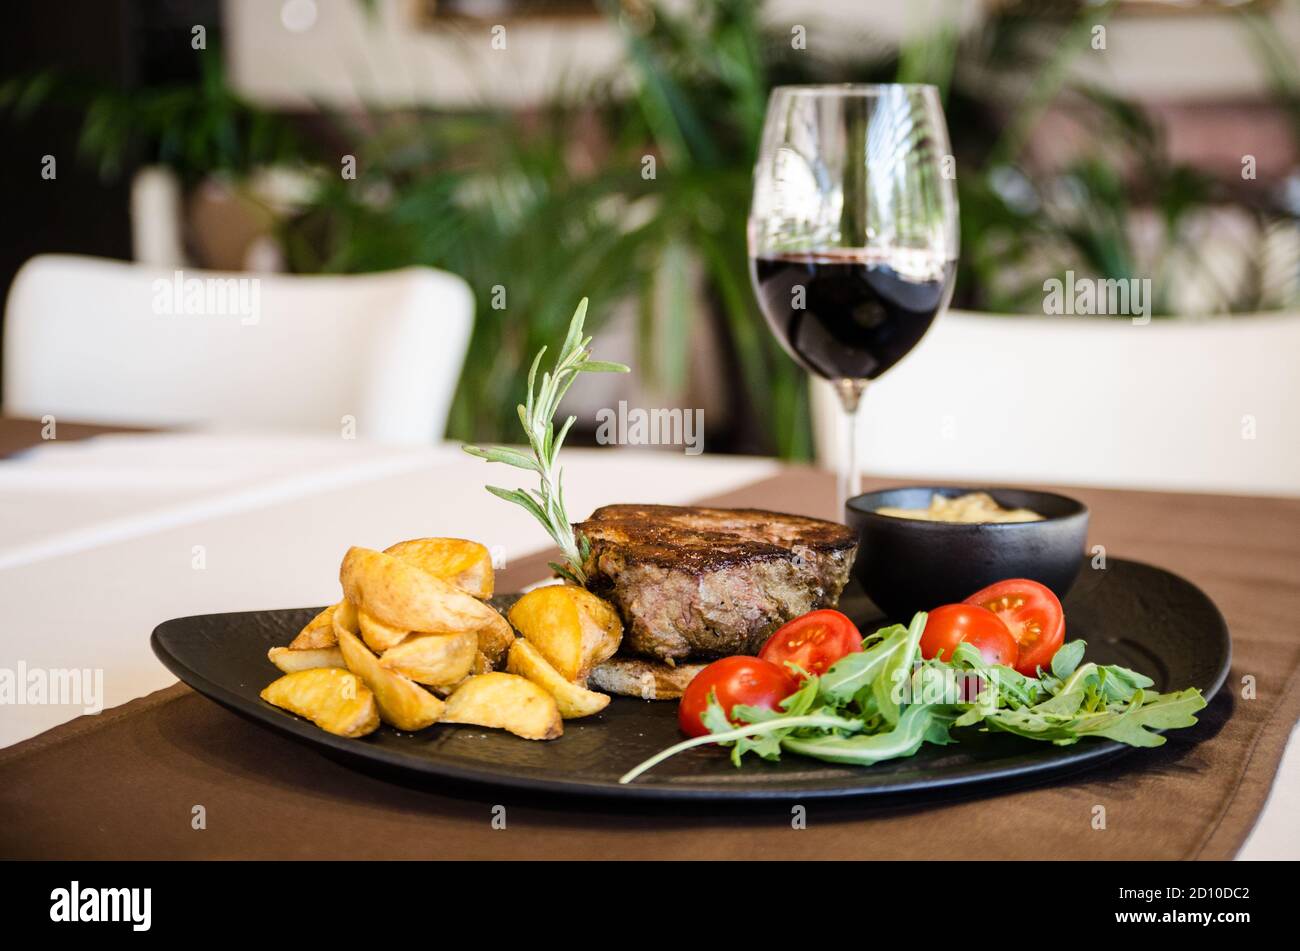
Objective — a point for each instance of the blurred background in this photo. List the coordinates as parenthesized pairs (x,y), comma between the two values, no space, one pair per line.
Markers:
(505,141)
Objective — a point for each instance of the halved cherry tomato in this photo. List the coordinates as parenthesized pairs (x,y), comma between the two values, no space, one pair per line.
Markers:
(734,680)
(948,626)
(1032,614)
(814,641)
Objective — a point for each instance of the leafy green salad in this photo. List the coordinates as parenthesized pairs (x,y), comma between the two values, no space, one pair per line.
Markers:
(886,701)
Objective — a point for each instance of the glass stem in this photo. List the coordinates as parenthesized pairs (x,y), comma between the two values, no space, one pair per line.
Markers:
(850,474)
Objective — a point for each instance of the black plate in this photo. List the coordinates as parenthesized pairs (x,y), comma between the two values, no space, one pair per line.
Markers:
(1129,613)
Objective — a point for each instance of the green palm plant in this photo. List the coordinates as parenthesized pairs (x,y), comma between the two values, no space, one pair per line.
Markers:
(194,129)
(498,202)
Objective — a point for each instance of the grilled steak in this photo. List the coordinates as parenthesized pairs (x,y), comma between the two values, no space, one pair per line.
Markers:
(699,583)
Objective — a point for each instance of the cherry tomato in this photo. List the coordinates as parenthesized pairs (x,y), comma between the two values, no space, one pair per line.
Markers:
(948,626)
(814,641)
(1032,614)
(734,680)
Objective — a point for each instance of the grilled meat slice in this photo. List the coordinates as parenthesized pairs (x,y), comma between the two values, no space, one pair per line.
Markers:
(700,583)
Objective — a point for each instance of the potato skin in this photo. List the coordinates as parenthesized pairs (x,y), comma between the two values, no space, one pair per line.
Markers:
(458,561)
(406,597)
(291,661)
(573,701)
(318,632)
(401,701)
(379,636)
(571,628)
(506,702)
(433,658)
(345,617)
(334,699)
(495,638)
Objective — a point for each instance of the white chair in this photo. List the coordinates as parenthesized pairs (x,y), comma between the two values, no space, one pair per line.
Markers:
(1209,405)
(107,342)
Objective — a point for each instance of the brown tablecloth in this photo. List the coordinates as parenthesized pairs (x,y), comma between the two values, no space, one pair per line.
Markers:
(125,784)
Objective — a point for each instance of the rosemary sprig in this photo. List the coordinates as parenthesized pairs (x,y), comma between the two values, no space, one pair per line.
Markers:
(546,502)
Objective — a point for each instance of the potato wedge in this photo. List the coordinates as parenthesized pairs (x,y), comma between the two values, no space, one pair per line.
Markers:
(345,619)
(403,703)
(443,691)
(292,661)
(573,701)
(379,636)
(508,702)
(571,627)
(465,564)
(495,638)
(432,658)
(334,699)
(481,665)
(403,596)
(318,633)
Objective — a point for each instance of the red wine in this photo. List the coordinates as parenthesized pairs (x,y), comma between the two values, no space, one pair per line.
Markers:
(858,317)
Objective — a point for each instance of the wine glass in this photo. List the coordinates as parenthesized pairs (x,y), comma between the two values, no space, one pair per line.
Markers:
(853,232)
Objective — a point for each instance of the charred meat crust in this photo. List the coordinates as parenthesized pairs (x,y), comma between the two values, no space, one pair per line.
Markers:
(691,538)
(698,583)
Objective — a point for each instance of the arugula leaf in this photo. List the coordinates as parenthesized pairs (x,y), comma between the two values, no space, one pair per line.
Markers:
(714,717)
(1146,712)
(916,725)
(1067,658)
(854,672)
(802,700)
(1091,687)
(715,720)
(1120,683)
(1031,725)
(1131,723)
(1071,695)
(765,745)
(888,685)
(1009,686)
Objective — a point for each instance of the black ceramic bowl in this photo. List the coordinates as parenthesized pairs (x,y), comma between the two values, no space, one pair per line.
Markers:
(906,565)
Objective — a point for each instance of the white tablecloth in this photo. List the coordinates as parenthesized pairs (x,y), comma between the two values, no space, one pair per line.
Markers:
(101,540)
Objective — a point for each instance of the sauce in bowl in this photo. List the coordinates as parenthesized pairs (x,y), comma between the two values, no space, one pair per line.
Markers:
(969,509)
